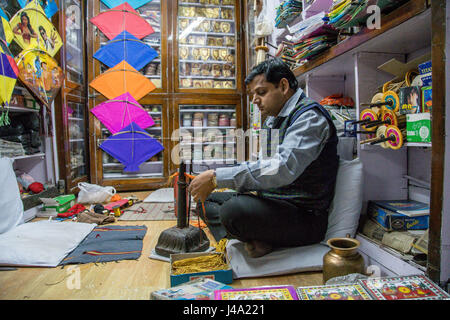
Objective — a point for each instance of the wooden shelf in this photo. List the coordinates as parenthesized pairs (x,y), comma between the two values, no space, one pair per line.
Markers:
(36,155)
(405,13)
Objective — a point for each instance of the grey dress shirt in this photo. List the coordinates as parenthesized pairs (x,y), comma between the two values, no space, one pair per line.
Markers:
(303,142)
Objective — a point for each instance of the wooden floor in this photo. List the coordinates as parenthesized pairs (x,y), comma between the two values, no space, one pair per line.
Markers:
(122,280)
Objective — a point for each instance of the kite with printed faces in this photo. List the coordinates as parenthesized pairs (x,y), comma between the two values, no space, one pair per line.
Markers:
(33,30)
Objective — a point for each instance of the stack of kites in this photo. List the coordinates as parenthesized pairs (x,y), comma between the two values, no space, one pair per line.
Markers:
(287,11)
(350,13)
(286,51)
(123,85)
(35,66)
(312,37)
(8,70)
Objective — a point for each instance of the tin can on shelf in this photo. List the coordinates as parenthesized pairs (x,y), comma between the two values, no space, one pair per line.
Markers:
(198,119)
(187,120)
(213,119)
(224,120)
(233,120)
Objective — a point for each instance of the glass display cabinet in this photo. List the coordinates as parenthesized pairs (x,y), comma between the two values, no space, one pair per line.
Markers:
(208,48)
(71,120)
(197,73)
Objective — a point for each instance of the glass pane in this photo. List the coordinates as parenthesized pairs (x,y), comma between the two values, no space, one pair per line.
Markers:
(151,12)
(207,135)
(77,140)
(74,40)
(207,44)
(153,167)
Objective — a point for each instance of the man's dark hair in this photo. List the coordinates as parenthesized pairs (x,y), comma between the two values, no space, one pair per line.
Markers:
(274,70)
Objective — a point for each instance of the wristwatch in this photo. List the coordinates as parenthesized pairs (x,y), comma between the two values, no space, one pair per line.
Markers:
(214,181)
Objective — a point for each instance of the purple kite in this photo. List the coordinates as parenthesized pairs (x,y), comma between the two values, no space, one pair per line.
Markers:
(132,146)
(119,112)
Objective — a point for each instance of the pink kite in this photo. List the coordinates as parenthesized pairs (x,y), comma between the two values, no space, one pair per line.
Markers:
(119,112)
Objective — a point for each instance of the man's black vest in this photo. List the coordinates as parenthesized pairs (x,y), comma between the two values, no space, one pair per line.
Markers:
(314,188)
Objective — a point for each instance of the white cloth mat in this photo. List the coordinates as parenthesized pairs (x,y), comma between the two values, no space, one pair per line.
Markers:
(43,243)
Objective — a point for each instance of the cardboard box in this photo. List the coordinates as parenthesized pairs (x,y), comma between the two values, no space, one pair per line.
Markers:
(410,100)
(59,204)
(427,79)
(393,221)
(418,127)
(427,99)
(425,67)
(223,276)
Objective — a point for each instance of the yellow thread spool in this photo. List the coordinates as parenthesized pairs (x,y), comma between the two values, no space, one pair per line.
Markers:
(117,212)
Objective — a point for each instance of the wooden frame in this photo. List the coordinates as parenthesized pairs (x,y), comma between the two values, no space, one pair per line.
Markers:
(438,21)
(70,92)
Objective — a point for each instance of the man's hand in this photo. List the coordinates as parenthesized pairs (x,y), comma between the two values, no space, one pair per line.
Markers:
(202,186)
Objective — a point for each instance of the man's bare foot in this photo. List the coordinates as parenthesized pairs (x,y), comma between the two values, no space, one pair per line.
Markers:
(256,249)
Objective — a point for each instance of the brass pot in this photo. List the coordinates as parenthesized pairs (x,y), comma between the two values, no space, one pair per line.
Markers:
(342,259)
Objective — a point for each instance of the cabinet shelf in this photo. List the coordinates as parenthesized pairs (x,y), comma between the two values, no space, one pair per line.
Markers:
(208,19)
(118,164)
(30,156)
(207,61)
(21,109)
(205,128)
(208,33)
(184,144)
(201,5)
(75,119)
(208,78)
(204,46)
(208,110)
(121,175)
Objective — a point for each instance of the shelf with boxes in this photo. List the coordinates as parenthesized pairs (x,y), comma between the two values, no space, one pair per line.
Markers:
(207,134)
(207,45)
(378,69)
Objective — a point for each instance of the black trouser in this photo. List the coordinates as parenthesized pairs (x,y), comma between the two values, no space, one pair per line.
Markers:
(248,217)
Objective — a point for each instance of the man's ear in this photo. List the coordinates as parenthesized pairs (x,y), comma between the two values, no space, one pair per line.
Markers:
(284,85)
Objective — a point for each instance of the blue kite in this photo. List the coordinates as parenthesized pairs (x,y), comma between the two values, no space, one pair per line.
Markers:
(50,7)
(134,3)
(126,47)
(132,146)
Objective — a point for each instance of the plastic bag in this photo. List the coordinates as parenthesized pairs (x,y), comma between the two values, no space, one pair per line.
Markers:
(92,193)
(263,21)
(11,214)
